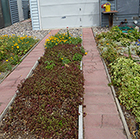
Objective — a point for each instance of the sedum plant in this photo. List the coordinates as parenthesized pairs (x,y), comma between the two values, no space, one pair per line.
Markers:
(126,76)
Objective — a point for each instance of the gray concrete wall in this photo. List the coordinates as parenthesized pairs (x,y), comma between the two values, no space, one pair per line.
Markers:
(126,10)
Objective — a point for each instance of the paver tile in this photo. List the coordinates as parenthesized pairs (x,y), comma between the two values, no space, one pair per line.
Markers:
(89,60)
(95,90)
(95,78)
(101,109)
(93,120)
(112,120)
(90,67)
(96,75)
(98,99)
(104,133)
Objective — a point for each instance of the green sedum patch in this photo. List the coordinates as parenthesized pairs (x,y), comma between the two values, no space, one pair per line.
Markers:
(12,48)
(126,75)
(121,53)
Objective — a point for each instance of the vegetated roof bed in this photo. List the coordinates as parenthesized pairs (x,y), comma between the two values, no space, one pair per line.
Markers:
(12,50)
(47,103)
(121,53)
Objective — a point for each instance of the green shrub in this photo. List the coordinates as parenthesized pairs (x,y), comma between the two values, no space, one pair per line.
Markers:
(126,75)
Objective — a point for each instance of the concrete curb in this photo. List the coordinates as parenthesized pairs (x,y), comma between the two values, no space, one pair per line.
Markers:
(80,125)
(116,99)
(80,118)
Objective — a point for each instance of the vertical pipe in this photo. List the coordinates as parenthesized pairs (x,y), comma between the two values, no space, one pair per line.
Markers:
(115,4)
(39,15)
(80,126)
(139,9)
(100,12)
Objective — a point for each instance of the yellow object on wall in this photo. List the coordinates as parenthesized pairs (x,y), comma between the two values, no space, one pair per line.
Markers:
(107,7)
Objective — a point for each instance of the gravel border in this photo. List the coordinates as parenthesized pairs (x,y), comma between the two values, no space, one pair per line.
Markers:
(21,29)
(24,28)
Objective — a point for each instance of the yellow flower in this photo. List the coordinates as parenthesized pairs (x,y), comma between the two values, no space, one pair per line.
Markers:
(47,40)
(46,47)
(85,53)
(7,60)
(17,47)
(76,45)
(15,44)
(107,44)
(62,58)
(56,44)
(0,73)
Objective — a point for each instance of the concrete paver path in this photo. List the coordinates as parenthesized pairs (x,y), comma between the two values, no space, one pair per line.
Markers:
(102,120)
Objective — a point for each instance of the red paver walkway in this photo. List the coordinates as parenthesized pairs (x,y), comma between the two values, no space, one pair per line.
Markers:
(102,120)
(9,86)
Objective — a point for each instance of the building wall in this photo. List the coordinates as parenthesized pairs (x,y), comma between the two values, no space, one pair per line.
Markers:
(14,11)
(1,16)
(34,11)
(60,14)
(25,6)
(126,10)
(6,12)
(20,10)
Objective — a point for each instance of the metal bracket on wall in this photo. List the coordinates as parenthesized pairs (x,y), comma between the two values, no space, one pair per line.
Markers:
(63,17)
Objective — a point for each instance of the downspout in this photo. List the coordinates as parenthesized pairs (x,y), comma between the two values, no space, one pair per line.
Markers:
(115,4)
(100,12)
(39,15)
(139,9)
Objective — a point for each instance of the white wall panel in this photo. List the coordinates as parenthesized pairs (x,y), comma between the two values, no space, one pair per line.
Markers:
(63,13)
(34,10)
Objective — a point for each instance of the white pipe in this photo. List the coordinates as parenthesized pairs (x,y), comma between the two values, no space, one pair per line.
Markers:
(80,125)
